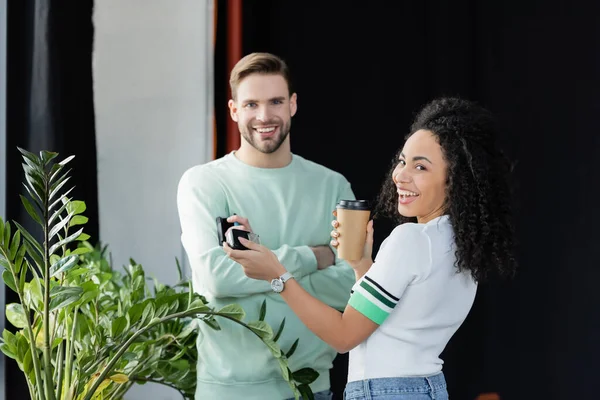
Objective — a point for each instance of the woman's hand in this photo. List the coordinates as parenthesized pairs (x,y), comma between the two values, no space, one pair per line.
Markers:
(242,223)
(258,261)
(366,261)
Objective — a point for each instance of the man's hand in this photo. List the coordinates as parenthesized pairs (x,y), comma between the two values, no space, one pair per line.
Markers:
(325,256)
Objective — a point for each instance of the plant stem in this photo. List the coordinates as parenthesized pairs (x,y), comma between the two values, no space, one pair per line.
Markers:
(60,363)
(32,346)
(145,329)
(47,349)
(70,349)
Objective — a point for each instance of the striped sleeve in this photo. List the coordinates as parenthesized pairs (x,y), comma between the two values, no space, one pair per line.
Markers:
(403,258)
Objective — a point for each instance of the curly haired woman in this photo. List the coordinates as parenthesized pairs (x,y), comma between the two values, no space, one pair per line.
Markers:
(449,189)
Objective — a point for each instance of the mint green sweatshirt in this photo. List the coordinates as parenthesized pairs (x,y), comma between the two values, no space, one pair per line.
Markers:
(290,208)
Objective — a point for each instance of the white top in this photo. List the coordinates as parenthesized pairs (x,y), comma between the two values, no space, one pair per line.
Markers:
(414,292)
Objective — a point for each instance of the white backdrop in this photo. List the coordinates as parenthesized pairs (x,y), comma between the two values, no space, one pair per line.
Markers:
(153,95)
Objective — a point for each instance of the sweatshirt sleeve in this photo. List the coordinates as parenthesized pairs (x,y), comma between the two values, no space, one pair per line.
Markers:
(404,258)
(332,285)
(200,200)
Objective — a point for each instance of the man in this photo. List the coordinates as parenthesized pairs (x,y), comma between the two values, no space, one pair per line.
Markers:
(286,200)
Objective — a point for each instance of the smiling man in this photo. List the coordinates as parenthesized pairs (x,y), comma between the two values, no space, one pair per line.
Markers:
(286,200)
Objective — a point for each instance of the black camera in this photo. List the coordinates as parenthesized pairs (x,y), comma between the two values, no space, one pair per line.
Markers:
(231,236)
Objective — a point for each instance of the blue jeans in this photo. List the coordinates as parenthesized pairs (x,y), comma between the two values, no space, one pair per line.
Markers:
(425,388)
(324,395)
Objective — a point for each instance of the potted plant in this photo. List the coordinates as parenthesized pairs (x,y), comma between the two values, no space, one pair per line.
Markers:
(86,331)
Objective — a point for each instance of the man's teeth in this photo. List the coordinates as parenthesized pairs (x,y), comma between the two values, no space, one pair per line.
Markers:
(265,130)
(406,193)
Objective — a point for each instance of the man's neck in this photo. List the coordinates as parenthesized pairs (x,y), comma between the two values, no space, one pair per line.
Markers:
(278,159)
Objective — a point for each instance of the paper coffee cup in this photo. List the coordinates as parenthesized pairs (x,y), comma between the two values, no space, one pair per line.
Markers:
(353,217)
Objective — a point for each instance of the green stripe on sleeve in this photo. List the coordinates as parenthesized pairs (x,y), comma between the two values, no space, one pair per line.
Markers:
(368,309)
(376,294)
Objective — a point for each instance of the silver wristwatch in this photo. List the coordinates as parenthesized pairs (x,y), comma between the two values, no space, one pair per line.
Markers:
(277,284)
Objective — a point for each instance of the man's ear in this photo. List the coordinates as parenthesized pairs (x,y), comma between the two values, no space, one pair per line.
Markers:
(293,104)
(233,110)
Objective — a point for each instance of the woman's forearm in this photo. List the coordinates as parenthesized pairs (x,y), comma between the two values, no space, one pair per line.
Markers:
(326,322)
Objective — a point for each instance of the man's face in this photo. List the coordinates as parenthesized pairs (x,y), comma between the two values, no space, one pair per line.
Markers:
(263,111)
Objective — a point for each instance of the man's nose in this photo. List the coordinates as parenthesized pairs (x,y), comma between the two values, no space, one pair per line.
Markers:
(262,114)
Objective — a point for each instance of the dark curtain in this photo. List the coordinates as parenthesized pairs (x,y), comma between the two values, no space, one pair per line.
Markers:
(49,107)
(362,69)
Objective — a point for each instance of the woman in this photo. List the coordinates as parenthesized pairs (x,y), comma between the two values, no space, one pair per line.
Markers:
(449,190)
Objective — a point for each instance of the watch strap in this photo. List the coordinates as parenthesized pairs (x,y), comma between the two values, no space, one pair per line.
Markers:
(288,275)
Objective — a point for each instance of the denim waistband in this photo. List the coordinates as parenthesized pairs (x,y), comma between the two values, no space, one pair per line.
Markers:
(380,386)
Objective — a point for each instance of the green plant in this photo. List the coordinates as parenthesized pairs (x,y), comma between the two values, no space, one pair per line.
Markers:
(86,331)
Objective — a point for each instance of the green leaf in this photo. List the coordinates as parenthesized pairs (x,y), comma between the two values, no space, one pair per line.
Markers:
(118,326)
(292,349)
(2,231)
(34,181)
(37,258)
(179,270)
(65,241)
(8,351)
(23,277)
(78,220)
(306,392)
(34,196)
(63,265)
(196,303)
(83,237)
(190,328)
(305,375)
(66,160)
(90,291)
(31,209)
(15,314)
(76,207)
(14,246)
(62,296)
(6,235)
(273,347)
(33,294)
(234,311)
(20,257)
(47,156)
(82,250)
(212,323)
(58,212)
(148,313)
(9,338)
(8,279)
(27,362)
(56,186)
(285,372)
(59,226)
(263,310)
(30,156)
(278,334)
(34,244)
(262,329)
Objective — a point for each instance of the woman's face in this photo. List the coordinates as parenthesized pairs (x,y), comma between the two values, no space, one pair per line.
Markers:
(420,177)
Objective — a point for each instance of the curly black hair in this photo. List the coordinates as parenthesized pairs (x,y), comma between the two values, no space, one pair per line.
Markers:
(478,192)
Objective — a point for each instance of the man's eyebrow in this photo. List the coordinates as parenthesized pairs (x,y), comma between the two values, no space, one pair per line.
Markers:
(280,98)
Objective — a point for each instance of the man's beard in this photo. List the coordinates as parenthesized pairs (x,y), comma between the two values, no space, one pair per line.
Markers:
(270,144)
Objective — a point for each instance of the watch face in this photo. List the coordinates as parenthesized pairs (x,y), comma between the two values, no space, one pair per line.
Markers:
(277,285)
